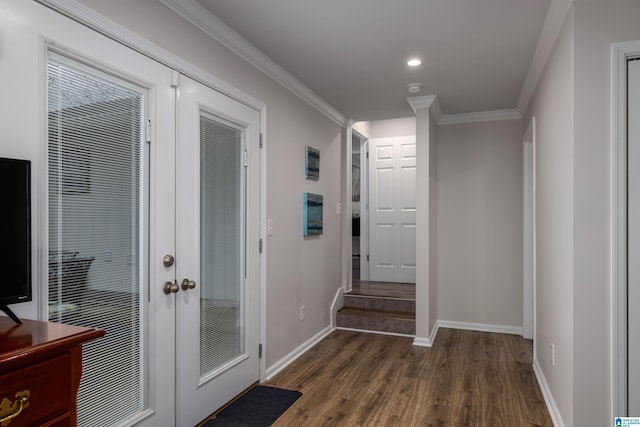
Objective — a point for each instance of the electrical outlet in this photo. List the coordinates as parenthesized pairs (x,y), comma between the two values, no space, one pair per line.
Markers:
(553,355)
(301,313)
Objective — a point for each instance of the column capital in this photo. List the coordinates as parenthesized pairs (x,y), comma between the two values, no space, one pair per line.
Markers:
(427,101)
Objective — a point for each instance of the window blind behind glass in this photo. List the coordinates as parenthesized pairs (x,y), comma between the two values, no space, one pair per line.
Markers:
(96,206)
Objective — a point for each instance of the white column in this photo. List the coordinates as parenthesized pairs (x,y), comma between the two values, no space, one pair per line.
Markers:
(427,114)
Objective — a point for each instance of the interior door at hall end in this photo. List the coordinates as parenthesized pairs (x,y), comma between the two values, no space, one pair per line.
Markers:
(392,209)
(218,169)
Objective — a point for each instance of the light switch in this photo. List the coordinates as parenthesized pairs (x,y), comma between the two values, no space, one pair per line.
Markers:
(270,227)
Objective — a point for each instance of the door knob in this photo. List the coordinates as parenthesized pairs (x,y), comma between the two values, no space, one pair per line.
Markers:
(170,287)
(168,260)
(187,284)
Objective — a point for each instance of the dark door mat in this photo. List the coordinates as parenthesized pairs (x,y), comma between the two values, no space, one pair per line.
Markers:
(259,407)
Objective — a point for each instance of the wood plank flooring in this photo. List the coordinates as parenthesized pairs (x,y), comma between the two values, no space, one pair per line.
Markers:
(466,379)
(384,289)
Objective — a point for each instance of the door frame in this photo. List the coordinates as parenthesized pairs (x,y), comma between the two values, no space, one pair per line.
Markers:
(102,25)
(620,54)
(529,232)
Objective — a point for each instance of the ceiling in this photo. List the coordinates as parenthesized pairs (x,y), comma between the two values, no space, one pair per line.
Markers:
(353,53)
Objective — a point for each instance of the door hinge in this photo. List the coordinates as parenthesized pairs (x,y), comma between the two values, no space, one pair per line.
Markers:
(367,257)
(261,141)
(367,154)
(260,246)
(246,158)
(148,131)
(259,351)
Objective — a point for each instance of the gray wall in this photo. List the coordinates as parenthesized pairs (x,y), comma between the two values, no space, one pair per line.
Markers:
(598,24)
(553,107)
(479,223)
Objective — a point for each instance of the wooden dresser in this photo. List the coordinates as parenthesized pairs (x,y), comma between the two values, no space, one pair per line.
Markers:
(40,369)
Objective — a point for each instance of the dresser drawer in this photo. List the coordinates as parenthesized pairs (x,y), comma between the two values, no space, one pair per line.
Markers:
(49,385)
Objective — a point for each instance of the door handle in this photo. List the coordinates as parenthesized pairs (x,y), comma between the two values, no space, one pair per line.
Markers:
(187,284)
(170,287)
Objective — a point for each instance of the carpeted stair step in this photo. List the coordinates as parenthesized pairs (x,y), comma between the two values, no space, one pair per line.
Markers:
(397,322)
(380,303)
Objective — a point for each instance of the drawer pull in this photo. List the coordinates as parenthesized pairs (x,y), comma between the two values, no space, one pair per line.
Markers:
(8,410)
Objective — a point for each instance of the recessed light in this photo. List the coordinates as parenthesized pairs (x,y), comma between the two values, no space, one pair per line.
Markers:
(414,62)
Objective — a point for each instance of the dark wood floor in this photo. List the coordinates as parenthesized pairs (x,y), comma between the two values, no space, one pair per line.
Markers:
(466,379)
(384,289)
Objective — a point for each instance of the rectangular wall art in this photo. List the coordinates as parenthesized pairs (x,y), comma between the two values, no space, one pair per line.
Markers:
(312,164)
(312,221)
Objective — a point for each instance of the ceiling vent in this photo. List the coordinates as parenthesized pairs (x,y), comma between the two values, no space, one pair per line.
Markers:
(414,87)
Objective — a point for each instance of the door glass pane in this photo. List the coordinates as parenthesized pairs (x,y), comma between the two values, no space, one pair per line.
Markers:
(221,235)
(96,154)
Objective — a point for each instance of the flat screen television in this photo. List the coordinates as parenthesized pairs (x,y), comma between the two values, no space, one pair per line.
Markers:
(15,232)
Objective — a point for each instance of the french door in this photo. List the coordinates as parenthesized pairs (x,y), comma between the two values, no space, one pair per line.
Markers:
(153,229)
(217,250)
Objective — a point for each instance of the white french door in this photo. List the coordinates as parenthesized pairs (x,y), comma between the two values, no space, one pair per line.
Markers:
(392,209)
(217,250)
(138,170)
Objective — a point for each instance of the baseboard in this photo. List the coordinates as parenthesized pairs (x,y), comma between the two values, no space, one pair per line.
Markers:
(548,397)
(366,331)
(481,327)
(427,342)
(274,369)
(337,304)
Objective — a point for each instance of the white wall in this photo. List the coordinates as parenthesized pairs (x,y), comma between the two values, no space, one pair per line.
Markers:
(479,223)
(299,271)
(393,127)
(553,107)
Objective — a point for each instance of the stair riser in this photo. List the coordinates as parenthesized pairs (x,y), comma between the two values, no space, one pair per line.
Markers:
(376,324)
(389,304)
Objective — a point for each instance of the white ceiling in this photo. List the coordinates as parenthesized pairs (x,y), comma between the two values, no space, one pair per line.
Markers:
(353,53)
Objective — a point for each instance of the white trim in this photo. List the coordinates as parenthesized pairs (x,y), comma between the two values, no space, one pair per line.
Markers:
(366,331)
(529,232)
(427,101)
(620,52)
(337,304)
(263,236)
(428,342)
(203,19)
(556,418)
(274,369)
(552,25)
(480,327)
(482,116)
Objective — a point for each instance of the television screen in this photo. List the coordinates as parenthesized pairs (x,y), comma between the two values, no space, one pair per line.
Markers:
(15,230)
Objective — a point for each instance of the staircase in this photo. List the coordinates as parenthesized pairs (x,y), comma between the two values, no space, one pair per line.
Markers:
(379,307)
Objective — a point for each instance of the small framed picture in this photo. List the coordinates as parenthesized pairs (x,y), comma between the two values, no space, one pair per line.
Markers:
(312,213)
(312,164)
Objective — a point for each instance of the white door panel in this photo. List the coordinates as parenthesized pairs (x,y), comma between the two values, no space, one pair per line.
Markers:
(217,224)
(392,212)
(633,234)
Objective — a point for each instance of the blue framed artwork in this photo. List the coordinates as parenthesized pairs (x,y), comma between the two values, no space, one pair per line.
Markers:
(312,221)
(312,163)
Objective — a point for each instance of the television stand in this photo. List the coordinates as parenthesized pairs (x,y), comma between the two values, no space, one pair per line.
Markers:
(10,313)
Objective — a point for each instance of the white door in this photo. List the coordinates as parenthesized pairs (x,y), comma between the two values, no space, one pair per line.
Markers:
(633,233)
(109,152)
(217,250)
(392,209)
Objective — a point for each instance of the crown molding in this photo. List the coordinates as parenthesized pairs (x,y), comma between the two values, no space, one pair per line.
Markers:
(206,21)
(427,101)
(482,116)
(556,15)
(86,16)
